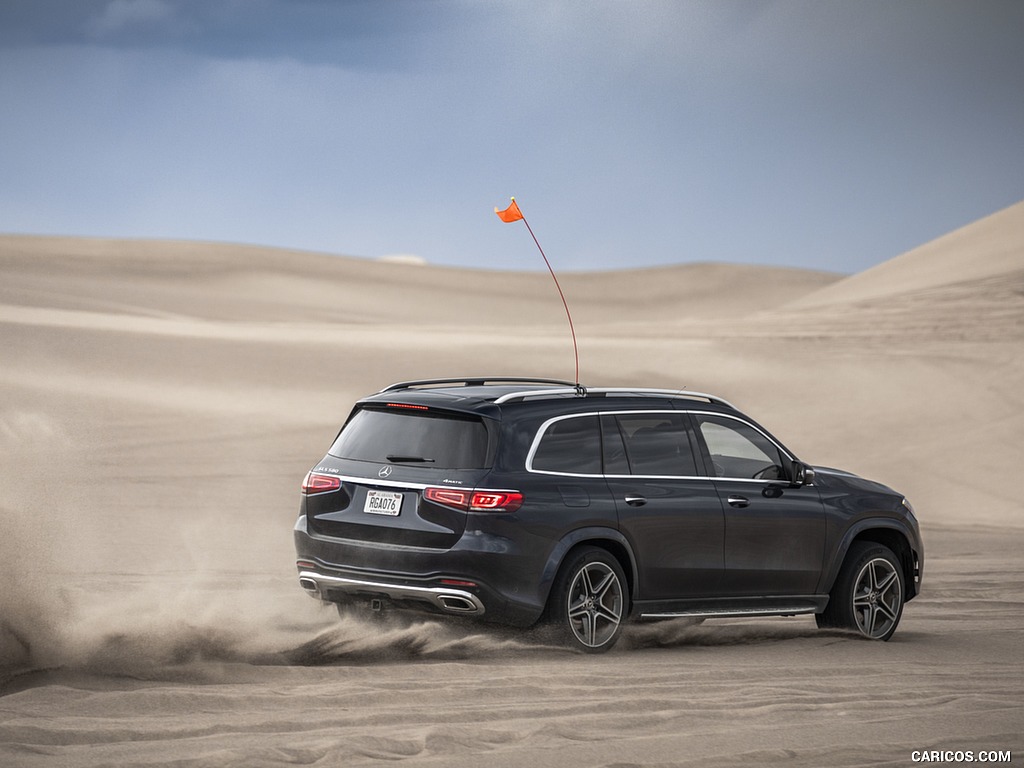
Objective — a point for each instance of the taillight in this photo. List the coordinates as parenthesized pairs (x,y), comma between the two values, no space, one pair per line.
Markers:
(450,497)
(496,501)
(317,483)
(475,500)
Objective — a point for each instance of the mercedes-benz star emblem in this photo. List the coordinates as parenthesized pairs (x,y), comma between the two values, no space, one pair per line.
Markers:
(384,472)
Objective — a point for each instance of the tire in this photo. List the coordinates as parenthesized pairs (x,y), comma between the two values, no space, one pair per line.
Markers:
(589,601)
(869,593)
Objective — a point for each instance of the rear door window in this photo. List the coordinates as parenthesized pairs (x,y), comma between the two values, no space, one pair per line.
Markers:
(431,438)
(657,444)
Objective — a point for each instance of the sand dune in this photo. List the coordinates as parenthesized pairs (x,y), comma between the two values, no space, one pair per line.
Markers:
(242,283)
(967,285)
(978,254)
(160,402)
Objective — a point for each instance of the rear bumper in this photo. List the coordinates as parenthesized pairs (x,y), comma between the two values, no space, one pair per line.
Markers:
(462,581)
(331,587)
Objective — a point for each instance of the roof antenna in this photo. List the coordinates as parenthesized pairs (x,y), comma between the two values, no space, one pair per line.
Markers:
(512,213)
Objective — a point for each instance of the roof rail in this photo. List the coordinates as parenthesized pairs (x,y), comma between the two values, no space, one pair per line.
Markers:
(605,391)
(477,381)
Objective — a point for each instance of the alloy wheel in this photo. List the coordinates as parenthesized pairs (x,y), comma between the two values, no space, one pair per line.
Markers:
(877,598)
(595,604)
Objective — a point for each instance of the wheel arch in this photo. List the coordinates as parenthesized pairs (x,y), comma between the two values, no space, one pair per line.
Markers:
(886,532)
(607,539)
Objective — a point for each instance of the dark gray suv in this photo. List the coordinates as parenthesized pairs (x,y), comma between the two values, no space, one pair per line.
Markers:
(519,500)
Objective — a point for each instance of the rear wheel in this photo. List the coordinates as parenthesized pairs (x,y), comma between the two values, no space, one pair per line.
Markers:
(588,600)
(868,595)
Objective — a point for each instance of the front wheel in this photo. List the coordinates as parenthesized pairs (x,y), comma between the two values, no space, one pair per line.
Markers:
(588,600)
(868,595)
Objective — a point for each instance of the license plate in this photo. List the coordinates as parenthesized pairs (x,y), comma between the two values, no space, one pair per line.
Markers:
(383,503)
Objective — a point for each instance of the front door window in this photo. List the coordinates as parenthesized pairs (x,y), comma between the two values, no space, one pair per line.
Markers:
(740,451)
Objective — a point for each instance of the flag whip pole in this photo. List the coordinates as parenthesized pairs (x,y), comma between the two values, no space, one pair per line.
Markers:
(512,213)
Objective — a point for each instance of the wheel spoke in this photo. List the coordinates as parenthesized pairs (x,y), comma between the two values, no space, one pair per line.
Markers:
(602,588)
(873,576)
(588,587)
(875,616)
(587,628)
(887,582)
(608,614)
(863,616)
(891,606)
(577,609)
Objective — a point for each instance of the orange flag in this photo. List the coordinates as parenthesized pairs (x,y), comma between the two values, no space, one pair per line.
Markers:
(510,214)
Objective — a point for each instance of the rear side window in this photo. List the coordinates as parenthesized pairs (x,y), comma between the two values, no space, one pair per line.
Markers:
(431,439)
(570,445)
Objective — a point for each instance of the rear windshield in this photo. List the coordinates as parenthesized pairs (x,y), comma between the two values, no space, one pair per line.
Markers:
(430,439)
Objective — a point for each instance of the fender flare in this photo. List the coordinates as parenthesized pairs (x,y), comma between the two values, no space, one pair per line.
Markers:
(830,575)
(580,536)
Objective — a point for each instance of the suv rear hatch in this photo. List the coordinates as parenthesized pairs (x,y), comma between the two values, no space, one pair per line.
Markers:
(401,474)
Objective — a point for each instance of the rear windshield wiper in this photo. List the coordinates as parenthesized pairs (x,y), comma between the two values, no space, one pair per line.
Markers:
(408,459)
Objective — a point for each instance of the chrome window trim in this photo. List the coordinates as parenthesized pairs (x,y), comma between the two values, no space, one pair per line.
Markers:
(544,427)
(541,431)
(657,477)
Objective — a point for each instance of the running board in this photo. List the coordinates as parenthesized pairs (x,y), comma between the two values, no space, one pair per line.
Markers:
(726,613)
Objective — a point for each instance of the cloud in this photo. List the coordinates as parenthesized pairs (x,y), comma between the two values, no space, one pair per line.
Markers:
(376,128)
(126,15)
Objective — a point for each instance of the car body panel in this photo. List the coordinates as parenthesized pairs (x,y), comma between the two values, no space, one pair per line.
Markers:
(775,538)
(678,531)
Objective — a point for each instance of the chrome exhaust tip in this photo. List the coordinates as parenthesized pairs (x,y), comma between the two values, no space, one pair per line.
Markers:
(457,604)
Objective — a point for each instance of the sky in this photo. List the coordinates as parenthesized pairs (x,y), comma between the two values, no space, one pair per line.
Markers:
(824,134)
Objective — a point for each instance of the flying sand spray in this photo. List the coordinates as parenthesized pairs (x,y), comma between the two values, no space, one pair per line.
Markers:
(511,214)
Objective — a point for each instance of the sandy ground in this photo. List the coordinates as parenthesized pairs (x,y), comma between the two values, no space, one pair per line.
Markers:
(160,403)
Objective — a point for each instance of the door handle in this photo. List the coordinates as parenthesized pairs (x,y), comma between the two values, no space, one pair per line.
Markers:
(636,501)
(739,501)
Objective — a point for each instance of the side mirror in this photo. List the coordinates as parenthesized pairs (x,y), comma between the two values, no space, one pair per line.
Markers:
(802,475)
